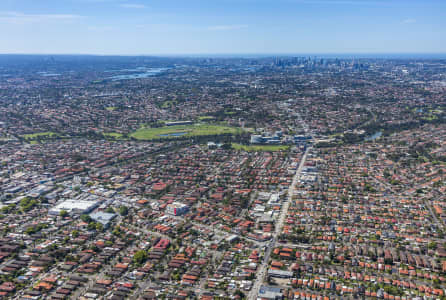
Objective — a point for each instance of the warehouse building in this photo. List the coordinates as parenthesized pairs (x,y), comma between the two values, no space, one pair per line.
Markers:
(74,207)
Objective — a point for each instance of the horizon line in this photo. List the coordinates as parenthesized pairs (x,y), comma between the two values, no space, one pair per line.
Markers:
(240,55)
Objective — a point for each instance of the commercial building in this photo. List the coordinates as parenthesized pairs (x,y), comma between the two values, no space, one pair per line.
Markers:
(268,292)
(177,209)
(260,139)
(103,218)
(74,206)
(280,273)
(179,123)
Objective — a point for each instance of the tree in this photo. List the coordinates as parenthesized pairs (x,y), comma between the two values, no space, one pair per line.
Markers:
(86,218)
(117,231)
(140,257)
(99,226)
(63,213)
(240,294)
(27,204)
(226,146)
(432,245)
(91,226)
(123,210)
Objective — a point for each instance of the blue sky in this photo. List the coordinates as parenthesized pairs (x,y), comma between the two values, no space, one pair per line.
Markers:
(222,26)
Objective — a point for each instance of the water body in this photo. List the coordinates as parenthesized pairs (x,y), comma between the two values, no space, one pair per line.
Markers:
(47,74)
(173,134)
(141,73)
(374,136)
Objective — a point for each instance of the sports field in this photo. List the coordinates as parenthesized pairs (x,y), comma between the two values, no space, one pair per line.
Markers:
(168,132)
(39,134)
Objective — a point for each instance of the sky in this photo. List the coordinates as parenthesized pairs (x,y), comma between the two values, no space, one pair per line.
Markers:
(178,27)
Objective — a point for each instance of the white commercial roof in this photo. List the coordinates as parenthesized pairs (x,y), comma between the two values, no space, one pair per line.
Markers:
(80,206)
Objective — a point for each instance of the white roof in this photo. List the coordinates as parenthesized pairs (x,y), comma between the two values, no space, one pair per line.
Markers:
(70,205)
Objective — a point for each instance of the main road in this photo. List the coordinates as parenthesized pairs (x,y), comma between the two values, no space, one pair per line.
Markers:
(279,225)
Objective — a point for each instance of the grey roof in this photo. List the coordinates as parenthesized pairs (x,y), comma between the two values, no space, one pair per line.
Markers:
(102,217)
